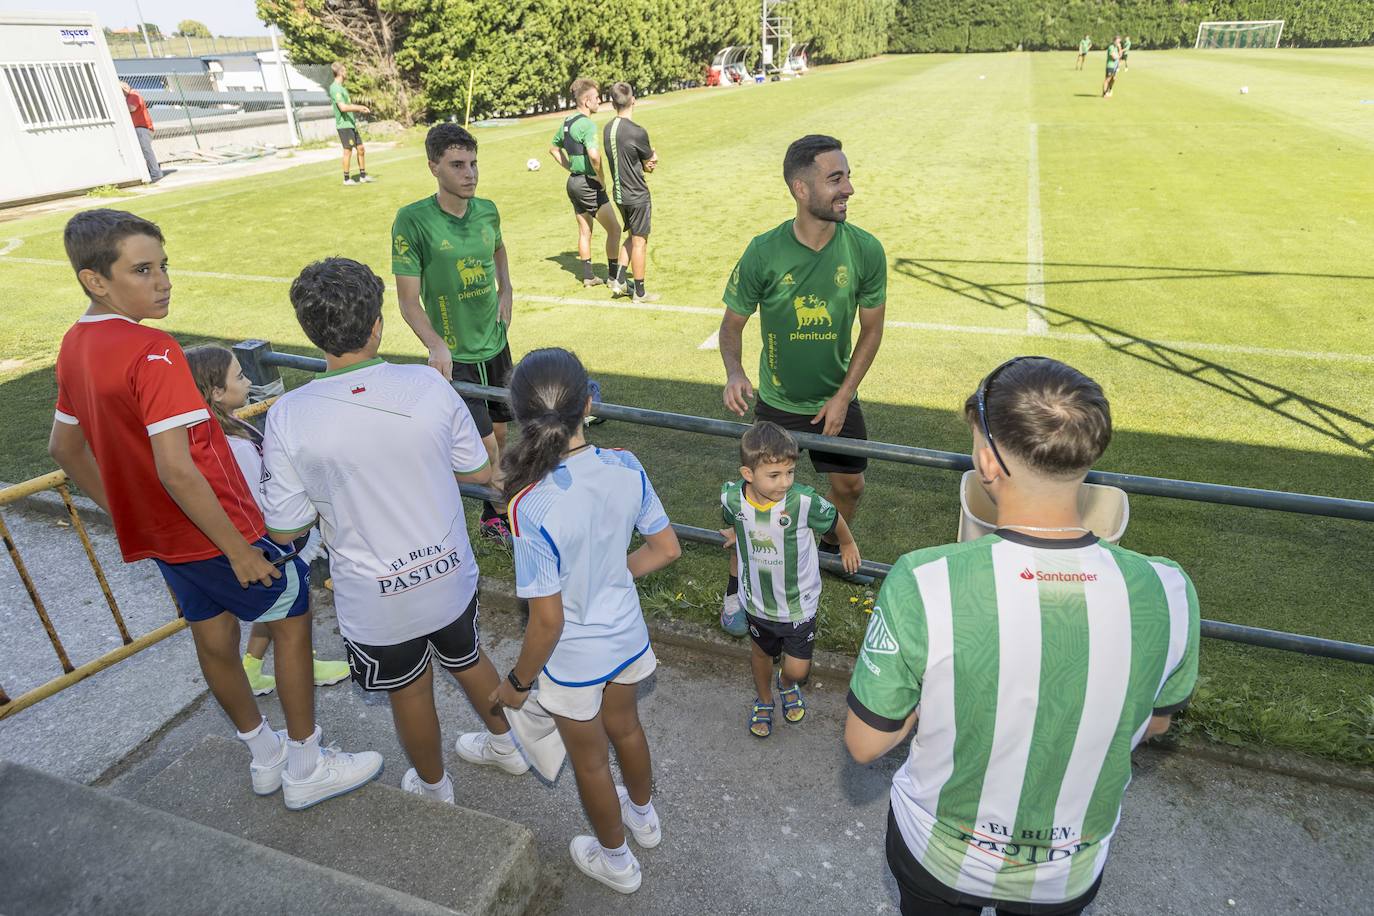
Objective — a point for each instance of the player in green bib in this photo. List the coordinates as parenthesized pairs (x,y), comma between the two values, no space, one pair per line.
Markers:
(1084,47)
(1125,53)
(808,279)
(773,523)
(576,147)
(1113,62)
(1039,657)
(346,123)
(453,283)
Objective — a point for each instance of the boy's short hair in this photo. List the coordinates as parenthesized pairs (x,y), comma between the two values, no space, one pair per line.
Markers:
(337,302)
(338,67)
(1045,412)
(622,96)
(766,443)
(92,238)
(444,136)
(580,87)
(801,155)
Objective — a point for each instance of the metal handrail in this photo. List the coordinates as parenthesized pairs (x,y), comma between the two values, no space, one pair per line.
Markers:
(1306,504)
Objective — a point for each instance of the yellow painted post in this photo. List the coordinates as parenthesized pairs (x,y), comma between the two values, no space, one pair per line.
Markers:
(472,79)
(33,594)
(95,564)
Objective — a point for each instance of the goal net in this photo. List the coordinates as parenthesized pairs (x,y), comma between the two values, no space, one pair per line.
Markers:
(1260,33)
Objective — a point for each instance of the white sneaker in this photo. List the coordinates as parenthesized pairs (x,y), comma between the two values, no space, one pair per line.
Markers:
(619,288)
(587,856)
(649,835)
(411,783)
(349,182)
(365,179)
(267,776)
(475,747)
(336,774)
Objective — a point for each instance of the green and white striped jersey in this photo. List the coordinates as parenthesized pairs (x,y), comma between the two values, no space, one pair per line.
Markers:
(779,572)
(1037,665)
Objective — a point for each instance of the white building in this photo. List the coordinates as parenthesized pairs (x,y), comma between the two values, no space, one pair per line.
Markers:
(64,126)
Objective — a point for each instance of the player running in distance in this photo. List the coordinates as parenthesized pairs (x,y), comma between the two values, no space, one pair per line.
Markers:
(1125,54)
(575,146)
(1113,62)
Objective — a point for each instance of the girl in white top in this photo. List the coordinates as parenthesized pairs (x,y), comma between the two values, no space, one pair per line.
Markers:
(573,511)
(225,388)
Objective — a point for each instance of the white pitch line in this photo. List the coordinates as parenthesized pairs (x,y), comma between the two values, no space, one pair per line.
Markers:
(712,342)
(1115,340)
(1035,245)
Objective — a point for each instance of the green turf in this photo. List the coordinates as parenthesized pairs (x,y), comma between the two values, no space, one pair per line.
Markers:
(1185,226)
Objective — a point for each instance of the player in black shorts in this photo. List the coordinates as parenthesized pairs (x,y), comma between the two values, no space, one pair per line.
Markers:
(574,147)
(630,155)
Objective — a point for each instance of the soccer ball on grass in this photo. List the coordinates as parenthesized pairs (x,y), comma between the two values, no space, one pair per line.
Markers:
(532,165)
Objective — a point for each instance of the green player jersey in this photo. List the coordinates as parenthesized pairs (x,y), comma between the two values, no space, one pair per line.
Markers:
(1125,46)
(1084,46)
(455,260)
(779,570)
(338,95)
(1113,56)
(577,136)
(1037,665)
(807,301)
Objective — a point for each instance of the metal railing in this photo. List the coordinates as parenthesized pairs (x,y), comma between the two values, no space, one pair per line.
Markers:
(260,363)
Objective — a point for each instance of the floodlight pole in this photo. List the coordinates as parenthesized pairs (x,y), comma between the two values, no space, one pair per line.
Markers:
(143,27)
(285,88)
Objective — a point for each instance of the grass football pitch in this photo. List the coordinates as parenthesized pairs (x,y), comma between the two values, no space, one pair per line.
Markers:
(1207,255)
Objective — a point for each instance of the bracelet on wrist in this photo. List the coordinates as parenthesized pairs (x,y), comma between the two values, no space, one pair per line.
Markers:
(515,682)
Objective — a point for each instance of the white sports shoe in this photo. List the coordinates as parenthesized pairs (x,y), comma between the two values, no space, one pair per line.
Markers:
(587,856)
(349,182)
(267,776)
(410,782)
(475,747)
(336,774)
(649,835)
(365,179)
(618,288)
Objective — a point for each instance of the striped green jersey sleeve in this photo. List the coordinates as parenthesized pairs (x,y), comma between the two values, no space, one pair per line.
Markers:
(887,679)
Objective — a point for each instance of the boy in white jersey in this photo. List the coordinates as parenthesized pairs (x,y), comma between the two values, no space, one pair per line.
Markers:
(774,523)
(375,451)
(1037,658)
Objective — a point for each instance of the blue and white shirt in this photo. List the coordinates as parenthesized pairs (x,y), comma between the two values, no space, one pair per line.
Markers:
(572,535)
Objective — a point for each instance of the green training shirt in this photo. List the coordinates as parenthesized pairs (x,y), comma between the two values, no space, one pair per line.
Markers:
(577,136)
(807,301)
(1037,665)
(779,570)
(1084,46)
(338,95)
(455,261)
(1125,46)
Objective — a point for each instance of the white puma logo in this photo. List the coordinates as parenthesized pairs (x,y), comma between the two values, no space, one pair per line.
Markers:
(153,357)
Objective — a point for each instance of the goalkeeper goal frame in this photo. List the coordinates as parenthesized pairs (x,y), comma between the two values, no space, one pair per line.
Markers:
(1236,28)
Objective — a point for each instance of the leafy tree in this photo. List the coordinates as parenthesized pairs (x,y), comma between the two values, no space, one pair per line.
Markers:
(190,28)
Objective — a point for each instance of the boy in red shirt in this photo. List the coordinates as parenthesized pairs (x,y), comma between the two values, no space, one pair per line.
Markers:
(132,430)
(143,127)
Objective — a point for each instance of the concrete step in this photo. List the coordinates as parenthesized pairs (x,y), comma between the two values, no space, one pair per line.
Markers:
(466,861)
(69,849)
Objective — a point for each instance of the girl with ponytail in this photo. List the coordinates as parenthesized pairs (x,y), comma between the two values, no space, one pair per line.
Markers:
(573,511)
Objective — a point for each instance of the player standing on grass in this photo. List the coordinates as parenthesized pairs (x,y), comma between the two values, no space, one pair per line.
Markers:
(1030,662)
(1126,53)
(575,148)
(630,156)
(1084,47)
(346,124)
(453,283)
(1113,61)
(808,278)
(132,431)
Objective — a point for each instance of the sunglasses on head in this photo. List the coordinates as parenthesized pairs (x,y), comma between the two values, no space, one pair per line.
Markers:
(983,392)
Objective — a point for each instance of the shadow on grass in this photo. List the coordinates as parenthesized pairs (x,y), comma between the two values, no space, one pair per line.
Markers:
(1344,427)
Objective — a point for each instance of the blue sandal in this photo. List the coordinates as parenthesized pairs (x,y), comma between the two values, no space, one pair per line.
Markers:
(761,719)
(792,702)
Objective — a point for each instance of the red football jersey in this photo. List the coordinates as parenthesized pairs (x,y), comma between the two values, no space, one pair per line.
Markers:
(124,383)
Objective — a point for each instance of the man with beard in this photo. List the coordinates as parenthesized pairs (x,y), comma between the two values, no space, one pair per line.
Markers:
(453,284)
(808,278)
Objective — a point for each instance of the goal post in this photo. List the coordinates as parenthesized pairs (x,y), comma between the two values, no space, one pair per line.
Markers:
(1255,33)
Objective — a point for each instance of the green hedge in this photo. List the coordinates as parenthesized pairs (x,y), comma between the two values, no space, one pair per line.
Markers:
(1004,25)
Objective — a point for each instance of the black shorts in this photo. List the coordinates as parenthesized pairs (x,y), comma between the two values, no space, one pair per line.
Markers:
(456,647)
(924,895)
(774,639)
(636,217)
(495,372)
(349,137)
(824,462)
(586,193)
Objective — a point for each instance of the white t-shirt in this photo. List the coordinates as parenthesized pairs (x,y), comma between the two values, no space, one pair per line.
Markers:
(572,534)
(372,449)
(248,454)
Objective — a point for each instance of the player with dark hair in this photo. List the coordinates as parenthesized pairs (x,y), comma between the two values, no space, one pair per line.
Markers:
(630,155)
(1113,63)
(346,123)
(575,147)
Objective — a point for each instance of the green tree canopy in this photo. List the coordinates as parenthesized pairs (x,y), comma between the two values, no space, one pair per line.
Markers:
(190,28)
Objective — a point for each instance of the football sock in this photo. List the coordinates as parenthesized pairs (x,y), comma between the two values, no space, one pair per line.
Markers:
(639,287)
(587,269)
(641,814)
(619,858)
(362,173)
(613,269)
(732,587)
(262,741)
(503,744)
(434,790)
(621,274)
(303,756)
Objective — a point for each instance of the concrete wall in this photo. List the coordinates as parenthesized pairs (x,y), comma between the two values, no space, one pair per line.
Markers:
(55,160)
(268,128)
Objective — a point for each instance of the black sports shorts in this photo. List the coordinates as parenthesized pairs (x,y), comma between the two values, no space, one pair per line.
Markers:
(455,646)
(349,137)
(797,639)
(824,462)
(586,193)
(494,372)
(636,218)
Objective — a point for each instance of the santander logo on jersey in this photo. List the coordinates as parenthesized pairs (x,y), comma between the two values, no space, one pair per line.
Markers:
(1040,575)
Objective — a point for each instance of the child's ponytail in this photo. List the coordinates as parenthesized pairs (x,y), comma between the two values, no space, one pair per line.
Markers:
(548,393)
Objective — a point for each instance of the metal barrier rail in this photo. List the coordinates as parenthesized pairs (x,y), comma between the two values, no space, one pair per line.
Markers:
(72,674)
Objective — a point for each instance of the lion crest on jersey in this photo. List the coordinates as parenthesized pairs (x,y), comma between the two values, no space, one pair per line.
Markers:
(762,542)
(811,310)
(471,272)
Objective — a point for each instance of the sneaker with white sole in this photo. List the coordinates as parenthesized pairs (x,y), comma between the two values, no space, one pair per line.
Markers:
(336,774)
(349,182)
(365,179)
(618,288)
(267,776)
(732,618)
(589,859)
(649,835)
(411,783)
(475,747)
